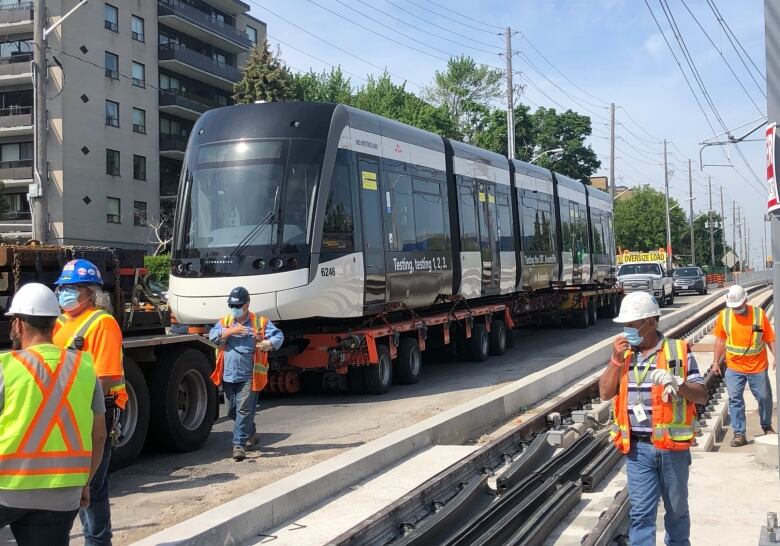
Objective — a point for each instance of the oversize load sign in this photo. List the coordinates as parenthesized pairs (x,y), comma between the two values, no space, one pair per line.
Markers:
(629,257)
(773,203)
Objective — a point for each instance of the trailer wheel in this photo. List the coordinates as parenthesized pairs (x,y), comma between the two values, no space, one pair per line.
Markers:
(579,318)
(378,377)
(312,383)
(593,312)
(183,402)
(479,343)
(409,362)
(355,380)
(510,338)
(613,310)
(134,420)
(498,337)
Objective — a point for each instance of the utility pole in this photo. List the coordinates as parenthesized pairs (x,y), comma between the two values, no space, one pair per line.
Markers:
(37,192)
(668,222)
(710,222)
(510,97)
(734,227)
(690,200)
(723,228)
(612,179)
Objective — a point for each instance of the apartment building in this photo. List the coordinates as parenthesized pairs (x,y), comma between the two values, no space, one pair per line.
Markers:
(134,77)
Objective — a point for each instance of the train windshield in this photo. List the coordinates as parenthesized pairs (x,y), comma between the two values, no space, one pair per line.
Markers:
(244,196)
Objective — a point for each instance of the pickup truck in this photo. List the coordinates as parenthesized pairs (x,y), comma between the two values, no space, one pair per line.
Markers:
(649,277)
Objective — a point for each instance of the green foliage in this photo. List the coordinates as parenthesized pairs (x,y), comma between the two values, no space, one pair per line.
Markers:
(566,130)
(640,222)
(159,267)
(330,86)
(265,78)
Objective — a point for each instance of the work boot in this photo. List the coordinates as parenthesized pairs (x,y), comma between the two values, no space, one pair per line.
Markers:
(739,440)
(252,441)
(239,453)
(769,430)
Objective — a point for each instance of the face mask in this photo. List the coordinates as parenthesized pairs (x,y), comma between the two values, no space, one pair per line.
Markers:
(68,298)
(632,336)
(237,313)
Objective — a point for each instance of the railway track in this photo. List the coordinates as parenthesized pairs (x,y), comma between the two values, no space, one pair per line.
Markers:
(517,488)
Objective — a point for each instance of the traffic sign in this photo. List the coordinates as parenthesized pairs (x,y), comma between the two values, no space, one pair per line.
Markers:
(730,259)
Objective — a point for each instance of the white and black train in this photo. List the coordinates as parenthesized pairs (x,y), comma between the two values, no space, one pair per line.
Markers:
(323,210)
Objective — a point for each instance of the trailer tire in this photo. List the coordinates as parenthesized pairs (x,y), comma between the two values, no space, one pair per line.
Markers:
(355,380)
(479,343)
(579,318)
(613,310)
(593,312)
(510,338)
(409,362)
(183,402)
(378,377)
(312,383)
(135,418)
(498,338)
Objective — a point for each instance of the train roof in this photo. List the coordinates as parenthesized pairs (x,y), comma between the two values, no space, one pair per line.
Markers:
(388,128)
(596,193)
(521,167)
(570,183)
(467,151)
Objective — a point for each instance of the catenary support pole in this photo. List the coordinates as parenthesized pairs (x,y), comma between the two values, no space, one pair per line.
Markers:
(690,201)
(723,230)
(734,228)
(510,97)
(612,180)
(772,41)
(668,222)
(710,224)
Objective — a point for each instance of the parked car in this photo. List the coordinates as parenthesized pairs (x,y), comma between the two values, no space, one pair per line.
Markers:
(690,279)
(647,277)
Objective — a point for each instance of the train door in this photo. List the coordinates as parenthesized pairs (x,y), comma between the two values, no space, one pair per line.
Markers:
(373,235)
(488,233)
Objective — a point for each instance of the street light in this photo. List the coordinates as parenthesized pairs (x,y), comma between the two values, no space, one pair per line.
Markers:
(553,151)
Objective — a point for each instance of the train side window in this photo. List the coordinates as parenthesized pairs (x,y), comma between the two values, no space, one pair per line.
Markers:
(338,230)
(429,216)
(469,236)
(505,231)
(402,212)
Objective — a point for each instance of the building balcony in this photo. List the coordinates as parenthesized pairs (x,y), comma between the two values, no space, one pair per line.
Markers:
(16,69)
(234,7)
(173,146)
(16,174)
(17,18)
(184,104)
(16,121)
(193,22)
(169,186)
(198,66)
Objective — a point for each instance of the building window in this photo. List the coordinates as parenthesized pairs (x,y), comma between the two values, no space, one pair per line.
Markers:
(17,151)
(139,121)
(113,208)
(139,213)
(138,28)
(16,49)
(112,162)
(139,167)
(252,34)
(112,18)
(112,66)
(112,113)
(139,74)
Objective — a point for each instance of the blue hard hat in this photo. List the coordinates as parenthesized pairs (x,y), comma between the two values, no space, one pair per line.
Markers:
(238,296)
(80,272)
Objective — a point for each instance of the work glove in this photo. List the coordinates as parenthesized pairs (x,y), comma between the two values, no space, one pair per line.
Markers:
(671,383)
(265,345)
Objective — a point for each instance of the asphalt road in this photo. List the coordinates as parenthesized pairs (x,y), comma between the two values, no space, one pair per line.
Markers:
(299,431)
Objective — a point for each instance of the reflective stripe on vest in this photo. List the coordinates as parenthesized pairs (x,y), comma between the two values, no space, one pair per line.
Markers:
(30,465)
(679,428)
(85,328)
(757,339)
(260,361)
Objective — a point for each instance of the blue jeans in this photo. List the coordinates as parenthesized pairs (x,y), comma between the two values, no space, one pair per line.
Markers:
(36,527)
(242,404)
(96,518)
(654,473)
(762,391)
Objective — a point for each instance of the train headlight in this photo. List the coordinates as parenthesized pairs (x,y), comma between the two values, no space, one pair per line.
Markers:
(277,263)
(258,264)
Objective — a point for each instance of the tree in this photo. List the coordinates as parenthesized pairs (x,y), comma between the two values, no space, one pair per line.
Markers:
(160,231)
(640,222)
(325,86)
(265,78)
(701,235)
(466,90)
(566,130)
(491,132)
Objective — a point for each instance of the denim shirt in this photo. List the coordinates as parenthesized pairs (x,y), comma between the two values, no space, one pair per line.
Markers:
(240,350)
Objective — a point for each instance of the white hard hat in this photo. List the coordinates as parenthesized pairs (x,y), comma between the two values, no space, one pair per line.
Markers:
(34,300)
(637,306)
(736,297)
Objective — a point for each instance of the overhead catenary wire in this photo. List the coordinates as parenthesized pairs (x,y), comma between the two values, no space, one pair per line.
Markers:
(730,34)
(452,19)
(316,58)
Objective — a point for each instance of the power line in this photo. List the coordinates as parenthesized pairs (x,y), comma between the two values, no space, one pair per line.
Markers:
(464,15)
(729,34)
(639,126)
(641,139)
(315,58)
(451,19)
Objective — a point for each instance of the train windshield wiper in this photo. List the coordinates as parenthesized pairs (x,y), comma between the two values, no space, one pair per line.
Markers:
(254,232)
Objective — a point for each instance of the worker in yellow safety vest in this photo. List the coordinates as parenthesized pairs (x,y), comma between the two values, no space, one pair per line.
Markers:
(51,425)
(243,341)
(743,334)
(655,385)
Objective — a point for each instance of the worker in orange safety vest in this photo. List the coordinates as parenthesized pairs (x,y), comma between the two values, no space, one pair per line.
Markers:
(654,383)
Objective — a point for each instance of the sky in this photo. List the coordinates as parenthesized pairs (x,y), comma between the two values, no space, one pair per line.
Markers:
(578,54)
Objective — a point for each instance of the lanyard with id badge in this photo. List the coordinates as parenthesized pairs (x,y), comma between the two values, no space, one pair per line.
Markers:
(639,407)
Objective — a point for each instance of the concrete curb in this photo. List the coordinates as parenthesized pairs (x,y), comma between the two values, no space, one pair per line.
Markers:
(241,519)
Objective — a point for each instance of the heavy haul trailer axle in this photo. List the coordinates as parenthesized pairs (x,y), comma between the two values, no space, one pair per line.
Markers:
(172,403)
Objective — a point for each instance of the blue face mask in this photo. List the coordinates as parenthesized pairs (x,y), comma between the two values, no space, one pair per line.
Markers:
(632,336)
(68,298)
(237,313)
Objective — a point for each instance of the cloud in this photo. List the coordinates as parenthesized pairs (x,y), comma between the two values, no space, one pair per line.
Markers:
(654,45)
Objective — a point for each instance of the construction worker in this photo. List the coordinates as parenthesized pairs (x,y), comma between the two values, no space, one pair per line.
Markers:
(85,326)
(51,431)
(743,333)
(244,340)
(655,383)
